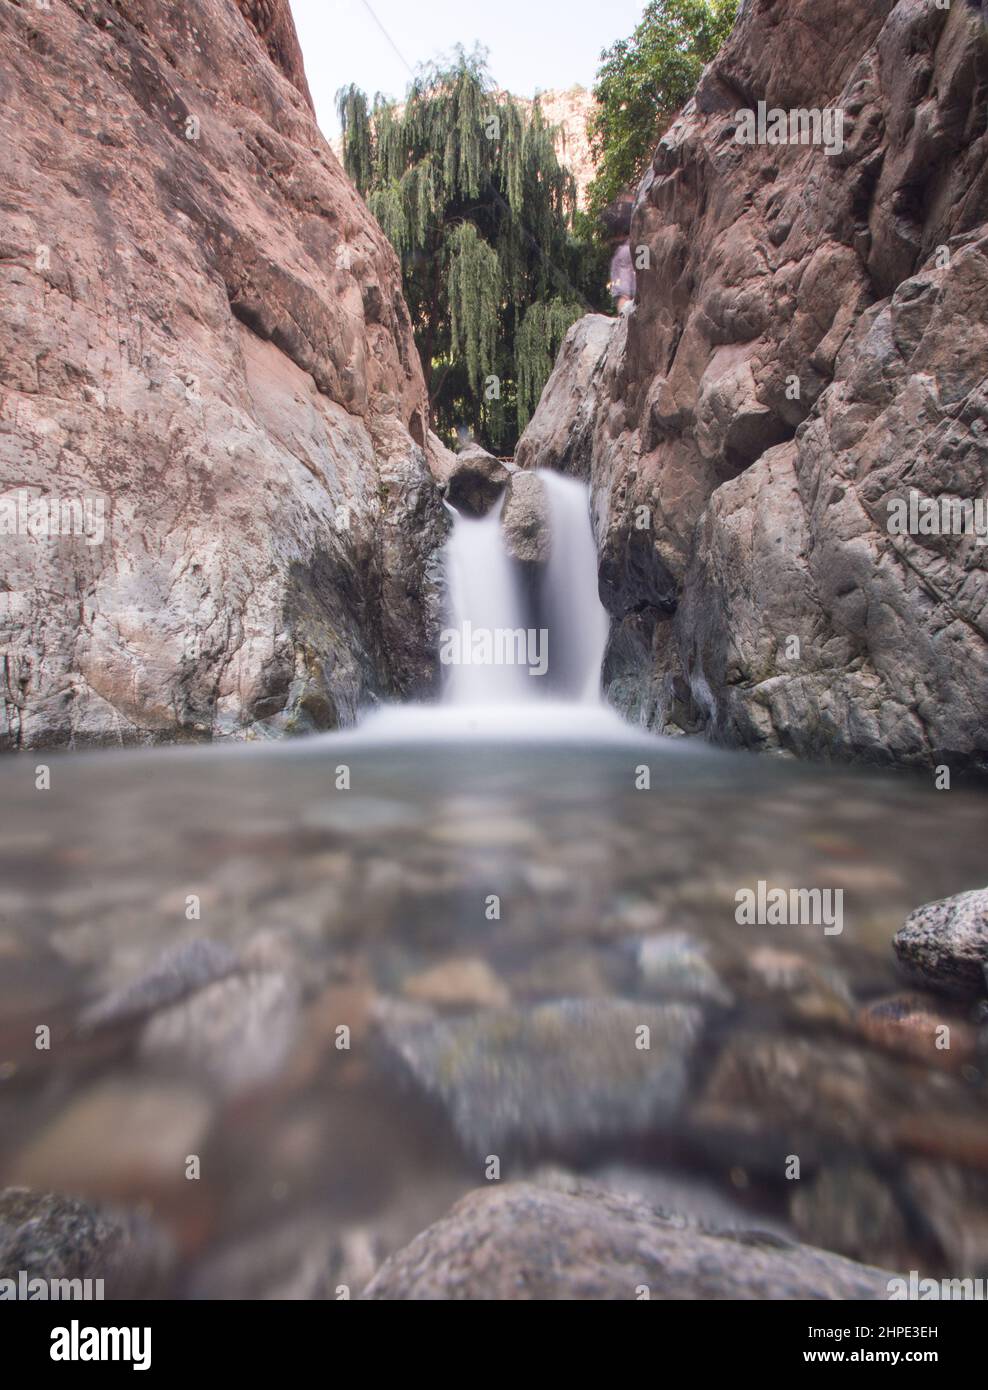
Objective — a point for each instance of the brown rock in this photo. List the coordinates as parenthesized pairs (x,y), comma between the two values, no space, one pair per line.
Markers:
(812,1093)
(912,1024)
(954,1204)
(851,1210)
(469,983)
(118,1137)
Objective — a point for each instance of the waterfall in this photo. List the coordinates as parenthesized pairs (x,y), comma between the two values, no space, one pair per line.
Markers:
(483,596)
(576,619)
(522,647)
(511,644)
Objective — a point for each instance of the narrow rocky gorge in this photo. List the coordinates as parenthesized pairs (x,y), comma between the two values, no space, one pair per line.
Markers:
(476,1015)
(809,342)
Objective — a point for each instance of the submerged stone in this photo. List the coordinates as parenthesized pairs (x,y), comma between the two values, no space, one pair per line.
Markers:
(238,1032)
(674,965)
(458,983)
(177,972)
(853,1211)
(562,1072)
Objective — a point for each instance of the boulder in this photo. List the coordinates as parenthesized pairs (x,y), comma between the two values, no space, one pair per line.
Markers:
(49,1236)
(476,481)
(944,945)
(520,1241)
(237,1032)
(557,436)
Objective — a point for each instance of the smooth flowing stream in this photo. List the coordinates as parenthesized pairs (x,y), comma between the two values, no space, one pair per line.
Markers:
(343,972)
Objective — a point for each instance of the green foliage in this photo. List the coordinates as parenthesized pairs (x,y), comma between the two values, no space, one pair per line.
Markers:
(540,337)
(475,293)
(644,81)
(352,107)
(467,187)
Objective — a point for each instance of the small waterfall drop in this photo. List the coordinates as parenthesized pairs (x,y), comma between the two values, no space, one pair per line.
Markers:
(520,644)
(484,596)
(521,651)
(576,619)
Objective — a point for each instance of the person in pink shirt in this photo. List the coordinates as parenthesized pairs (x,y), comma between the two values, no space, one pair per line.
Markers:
(622,282)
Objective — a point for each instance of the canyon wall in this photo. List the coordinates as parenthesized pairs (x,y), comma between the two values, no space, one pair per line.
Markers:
(203,338)
(809,343)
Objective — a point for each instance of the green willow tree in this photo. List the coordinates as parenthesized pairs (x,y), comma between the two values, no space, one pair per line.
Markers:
(643,82)
(466,185)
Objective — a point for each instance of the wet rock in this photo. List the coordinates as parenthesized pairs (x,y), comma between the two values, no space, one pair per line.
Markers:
(525,520)
(800,1090)
(465,983)
(696,1200)
(852,1211)
(562,1072)
(771,1096)
(948,1134)
(238,1032)
(913,1025)
(571,971)
(675,965)
(634,914)
(178,972)
(476,481)
(945,944)
(520,1241)
(118,1136)
(490,832)
(50,1236)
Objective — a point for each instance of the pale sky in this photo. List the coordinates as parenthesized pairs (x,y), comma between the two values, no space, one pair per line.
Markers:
(535,45)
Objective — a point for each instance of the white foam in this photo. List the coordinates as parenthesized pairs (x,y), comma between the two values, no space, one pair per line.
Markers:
(544,721)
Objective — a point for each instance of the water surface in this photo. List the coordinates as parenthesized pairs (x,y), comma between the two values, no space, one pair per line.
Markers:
(492,922)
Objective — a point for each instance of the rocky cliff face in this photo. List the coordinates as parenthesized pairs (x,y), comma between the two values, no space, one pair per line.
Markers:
(202,340)
(810,342)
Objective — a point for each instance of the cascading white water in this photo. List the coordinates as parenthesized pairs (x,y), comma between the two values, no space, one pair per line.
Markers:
(576,619)
(509,648)
(483,597)
(520,661)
